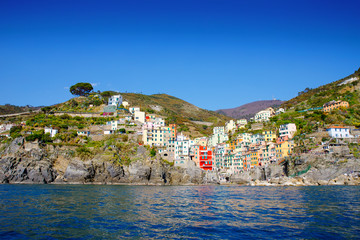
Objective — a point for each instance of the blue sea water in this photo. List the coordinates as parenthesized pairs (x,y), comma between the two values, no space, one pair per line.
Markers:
(178,212)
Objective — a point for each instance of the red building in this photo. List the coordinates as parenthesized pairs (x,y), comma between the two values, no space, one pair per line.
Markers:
(203,157)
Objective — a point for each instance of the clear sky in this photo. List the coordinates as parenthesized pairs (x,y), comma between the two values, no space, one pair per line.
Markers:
(212,53)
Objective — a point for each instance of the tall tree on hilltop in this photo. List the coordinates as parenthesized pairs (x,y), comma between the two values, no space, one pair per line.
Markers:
(81,89)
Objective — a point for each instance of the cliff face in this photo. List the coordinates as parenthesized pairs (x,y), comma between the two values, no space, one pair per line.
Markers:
(22,162)
(30,163)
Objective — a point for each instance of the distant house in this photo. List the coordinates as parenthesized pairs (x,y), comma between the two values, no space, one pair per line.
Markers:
(329,106)
(134,109)
(125,104)
(115,100)
(287,130)
(279,111)
(83,133)
(339,132)
(107,132)
(264,115)
(51,131)
(241,123)
(229,126)
(139,116)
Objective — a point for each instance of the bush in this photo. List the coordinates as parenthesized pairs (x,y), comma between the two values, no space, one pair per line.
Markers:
(15,131)
(153,152)
(83,153)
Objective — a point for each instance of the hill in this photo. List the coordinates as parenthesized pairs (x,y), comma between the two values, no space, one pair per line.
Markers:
(345,89)
(299,110)
(10,109)
(250,109)
(190,118)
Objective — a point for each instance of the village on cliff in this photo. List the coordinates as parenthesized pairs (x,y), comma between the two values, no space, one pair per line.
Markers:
(238,146)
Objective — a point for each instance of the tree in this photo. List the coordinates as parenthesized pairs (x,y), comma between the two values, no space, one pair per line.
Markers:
(81,89)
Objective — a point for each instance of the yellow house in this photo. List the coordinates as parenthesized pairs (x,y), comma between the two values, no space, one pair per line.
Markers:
(254,157)
(269,136)
(284,148)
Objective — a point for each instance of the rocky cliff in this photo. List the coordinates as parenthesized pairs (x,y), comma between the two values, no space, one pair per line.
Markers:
(23,162)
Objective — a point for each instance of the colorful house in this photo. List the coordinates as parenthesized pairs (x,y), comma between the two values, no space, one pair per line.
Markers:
(329,106)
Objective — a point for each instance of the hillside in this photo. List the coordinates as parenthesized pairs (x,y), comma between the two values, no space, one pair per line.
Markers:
(299,109)
(177,111)
(10,109)
(250,109)
(340,89)
(190,118)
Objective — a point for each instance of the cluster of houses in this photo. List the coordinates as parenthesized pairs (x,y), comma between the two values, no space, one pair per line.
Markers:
(222,151)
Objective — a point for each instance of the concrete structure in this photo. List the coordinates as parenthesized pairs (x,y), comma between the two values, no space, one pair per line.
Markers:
(287,130)
(339,132)
(51,131)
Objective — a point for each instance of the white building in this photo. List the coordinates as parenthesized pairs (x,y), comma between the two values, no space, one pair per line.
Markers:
(182,147)
(107,132)
(217,138)
(114,124)
(125,104)
(52,131)
(264,115)
(287,130)
(159,122)
(241,123)
(217,130)
(139,116)
(339,132)
(134,109)
(83,133)
(115,100)
(279,111)
(229,126)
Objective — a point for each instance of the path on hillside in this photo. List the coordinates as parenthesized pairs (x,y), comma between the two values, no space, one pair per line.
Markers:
(18,114)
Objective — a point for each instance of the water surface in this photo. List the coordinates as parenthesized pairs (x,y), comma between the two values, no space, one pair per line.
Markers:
(178,212)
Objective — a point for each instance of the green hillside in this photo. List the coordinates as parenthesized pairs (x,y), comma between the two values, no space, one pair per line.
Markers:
(191,119)
(310,121)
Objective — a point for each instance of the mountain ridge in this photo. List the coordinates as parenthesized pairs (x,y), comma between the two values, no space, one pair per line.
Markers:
(248,110)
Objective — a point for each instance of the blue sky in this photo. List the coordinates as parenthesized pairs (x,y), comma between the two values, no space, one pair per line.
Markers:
(212,53)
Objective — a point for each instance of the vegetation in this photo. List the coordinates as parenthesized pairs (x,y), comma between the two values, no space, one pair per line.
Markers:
(15,131)
(81,89)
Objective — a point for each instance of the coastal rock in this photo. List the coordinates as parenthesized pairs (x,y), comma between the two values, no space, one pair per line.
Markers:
(79,171)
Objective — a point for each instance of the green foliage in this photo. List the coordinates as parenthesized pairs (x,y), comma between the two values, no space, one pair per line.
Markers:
(46,109)
(81,89)
(122,130)
(15,131)
(153,152)
(84,153)
(168,163)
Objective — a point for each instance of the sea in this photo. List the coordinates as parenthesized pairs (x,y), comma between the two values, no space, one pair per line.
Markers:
(178,212)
